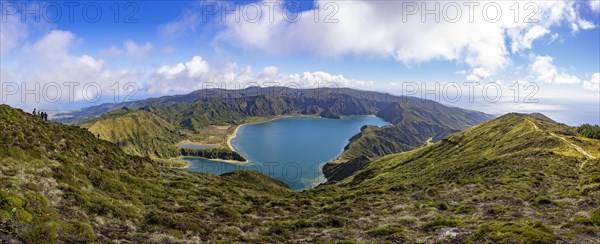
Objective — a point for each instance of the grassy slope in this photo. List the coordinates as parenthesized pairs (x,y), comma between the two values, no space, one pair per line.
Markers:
(414,124)
(60,183)
(137,132)
(503,180)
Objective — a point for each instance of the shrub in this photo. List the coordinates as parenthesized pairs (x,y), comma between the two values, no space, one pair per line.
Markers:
(83,232)
(15,207)
(44,233)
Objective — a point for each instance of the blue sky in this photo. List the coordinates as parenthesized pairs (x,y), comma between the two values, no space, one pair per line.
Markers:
(173,47)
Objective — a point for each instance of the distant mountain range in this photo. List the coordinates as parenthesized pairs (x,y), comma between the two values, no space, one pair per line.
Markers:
(513,179)
(224,95)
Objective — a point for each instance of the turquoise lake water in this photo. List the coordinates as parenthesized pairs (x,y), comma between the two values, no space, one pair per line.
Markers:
(291,149)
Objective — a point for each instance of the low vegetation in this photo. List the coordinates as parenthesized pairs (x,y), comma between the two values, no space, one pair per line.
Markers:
(500,181)
(137,132)
(414,125)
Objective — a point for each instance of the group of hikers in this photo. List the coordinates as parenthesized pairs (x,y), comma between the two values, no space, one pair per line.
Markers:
(42,115)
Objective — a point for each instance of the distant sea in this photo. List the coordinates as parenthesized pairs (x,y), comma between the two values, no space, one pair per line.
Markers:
(573,113)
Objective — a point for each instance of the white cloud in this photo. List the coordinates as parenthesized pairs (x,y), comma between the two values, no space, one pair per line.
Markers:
(544,70)
(581,24)
(197,67)
(479,74)
(594,5)
(593,84)
(54,45)
(524,41)
(586,25)
(49,60)
(12,33)
(169,72)
(178,78)
(379,29)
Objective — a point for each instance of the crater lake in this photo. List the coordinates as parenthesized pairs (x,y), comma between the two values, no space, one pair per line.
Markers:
(290,149)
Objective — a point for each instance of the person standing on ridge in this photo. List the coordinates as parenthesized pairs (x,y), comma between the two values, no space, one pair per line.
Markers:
(34,111)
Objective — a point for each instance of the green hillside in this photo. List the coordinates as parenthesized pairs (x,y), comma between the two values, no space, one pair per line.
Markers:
(414,124)
(137,132)
(515,179)
(61,184)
